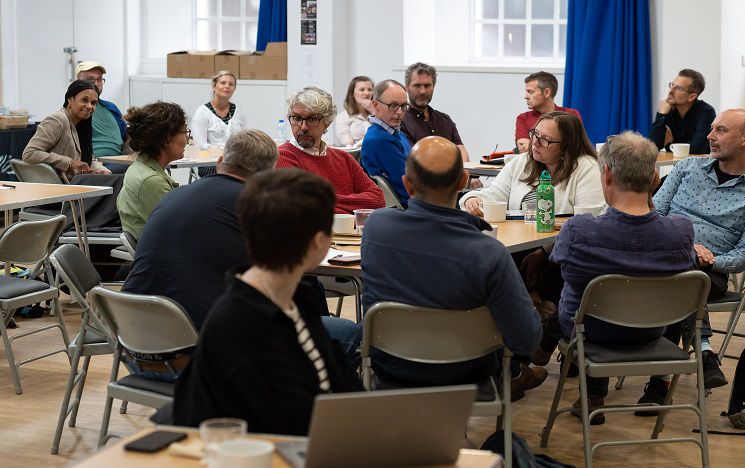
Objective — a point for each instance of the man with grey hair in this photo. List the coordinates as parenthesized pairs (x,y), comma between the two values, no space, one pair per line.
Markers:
(385,147)
(310,111)
(193,237)
(421,120)
(631,238)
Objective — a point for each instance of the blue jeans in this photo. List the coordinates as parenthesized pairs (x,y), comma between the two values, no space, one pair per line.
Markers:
(348,334)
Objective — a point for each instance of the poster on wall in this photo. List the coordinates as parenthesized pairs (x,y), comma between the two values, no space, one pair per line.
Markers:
(308,17)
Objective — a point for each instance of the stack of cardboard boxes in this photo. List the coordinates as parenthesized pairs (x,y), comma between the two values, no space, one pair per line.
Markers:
(268,65)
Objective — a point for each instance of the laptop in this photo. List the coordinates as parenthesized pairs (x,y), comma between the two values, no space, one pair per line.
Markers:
(409,427)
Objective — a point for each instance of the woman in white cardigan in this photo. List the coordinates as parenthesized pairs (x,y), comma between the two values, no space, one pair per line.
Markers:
(214,122)
(559,143)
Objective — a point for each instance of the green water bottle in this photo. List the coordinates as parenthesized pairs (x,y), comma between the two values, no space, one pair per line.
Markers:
(544,206)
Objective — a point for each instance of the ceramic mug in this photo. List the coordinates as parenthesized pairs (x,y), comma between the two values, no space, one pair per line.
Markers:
(494,211)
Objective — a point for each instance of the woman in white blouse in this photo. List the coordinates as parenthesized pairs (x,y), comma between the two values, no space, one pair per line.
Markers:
(352,123)
(214,122)
(559,143)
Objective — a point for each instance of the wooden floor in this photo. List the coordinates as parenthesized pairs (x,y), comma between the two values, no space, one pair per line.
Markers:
(27,421)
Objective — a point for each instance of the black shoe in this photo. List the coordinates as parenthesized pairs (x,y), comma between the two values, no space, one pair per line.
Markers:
(654,392)
(573,369)
(593,404)
(713,376)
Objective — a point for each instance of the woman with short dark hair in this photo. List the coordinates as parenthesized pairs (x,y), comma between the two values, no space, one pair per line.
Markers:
(158,134)
(263,354)
(64,139)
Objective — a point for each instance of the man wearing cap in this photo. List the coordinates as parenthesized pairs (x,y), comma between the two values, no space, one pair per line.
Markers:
(109,129)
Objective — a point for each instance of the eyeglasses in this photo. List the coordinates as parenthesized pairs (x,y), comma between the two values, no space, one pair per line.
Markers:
(188,133)
(96,80)
(675,87)
(312,121)
(393,107)
(541,142)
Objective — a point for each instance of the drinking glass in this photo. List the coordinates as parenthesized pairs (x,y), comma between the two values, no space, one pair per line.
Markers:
(529,212)
(214,431)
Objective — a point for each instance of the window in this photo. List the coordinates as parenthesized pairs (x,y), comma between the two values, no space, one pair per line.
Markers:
(519,31)
(226,24)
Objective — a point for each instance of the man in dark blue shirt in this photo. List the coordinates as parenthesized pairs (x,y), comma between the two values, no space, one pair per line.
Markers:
(682,117)
(434,255)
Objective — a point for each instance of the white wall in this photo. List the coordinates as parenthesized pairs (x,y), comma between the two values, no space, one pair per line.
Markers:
(688,34)
(733,55)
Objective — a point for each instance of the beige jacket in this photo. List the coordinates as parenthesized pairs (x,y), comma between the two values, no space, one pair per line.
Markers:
(56,143)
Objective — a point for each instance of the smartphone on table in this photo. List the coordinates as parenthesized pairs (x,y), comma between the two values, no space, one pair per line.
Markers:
(155,441)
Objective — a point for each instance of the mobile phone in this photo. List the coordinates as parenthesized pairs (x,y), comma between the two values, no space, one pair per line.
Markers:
(155,441)
(345,260)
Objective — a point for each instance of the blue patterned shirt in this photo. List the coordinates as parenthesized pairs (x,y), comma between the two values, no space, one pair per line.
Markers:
(717,211)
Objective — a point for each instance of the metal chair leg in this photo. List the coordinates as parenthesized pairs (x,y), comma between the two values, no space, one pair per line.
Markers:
(79,394)
(9,352)
(65,406)
(554,405)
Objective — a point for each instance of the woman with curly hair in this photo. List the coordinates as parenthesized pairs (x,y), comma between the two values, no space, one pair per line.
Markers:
(158,135)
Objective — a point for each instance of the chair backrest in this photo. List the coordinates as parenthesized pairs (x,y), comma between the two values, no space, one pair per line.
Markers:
(145,324)
(30,241)
(355,153)
(39,173)
(129,242)
(645,302)
(76,270)
(391,199)
(427,335)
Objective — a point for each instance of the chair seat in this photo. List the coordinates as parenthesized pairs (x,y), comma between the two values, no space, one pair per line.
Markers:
(11,287)
(156,386)
(660,349)
(730,296)
(91,337)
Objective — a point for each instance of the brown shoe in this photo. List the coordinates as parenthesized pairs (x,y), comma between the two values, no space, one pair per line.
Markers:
(529,378)
(593,404)
(545,310)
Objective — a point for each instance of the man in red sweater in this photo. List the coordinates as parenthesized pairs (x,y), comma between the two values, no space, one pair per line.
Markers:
(310,111)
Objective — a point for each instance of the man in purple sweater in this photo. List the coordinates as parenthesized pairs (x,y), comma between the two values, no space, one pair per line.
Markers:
(630,238)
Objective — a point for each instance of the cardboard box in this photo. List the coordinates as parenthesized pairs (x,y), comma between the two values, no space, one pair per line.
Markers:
(229,60)
(269,65)
(202,63)
(275,61)
(177,64)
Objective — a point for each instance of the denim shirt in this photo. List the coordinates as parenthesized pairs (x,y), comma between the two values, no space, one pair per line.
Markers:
(717,211)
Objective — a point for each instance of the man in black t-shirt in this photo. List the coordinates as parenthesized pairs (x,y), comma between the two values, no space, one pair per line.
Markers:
(682,117)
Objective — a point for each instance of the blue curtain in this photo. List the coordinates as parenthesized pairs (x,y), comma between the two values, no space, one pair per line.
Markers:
(272,23)
(608,66)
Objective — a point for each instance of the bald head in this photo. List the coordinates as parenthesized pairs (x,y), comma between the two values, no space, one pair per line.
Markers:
(434,168)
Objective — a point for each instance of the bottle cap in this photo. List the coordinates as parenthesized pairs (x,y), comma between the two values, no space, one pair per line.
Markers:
(545,175)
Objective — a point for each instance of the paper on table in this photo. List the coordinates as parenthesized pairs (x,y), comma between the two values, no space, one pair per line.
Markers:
(337,253)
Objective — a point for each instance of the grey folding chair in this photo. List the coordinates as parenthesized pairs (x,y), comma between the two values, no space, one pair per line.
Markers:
(733,303)
(126,251)
(355,153)
(640,303)
(437,336)
(391,199)
(39,173)
(340,287)
(29,243)
(93,339)
(142,324)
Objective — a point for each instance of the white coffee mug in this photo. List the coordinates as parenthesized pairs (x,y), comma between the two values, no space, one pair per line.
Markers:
(594,210)
(494,211)
(343,224)
(241,453)
(680,150)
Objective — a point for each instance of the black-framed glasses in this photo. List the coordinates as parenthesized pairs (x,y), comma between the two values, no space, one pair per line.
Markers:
(312,121)
(541,141)
(675,87)
(393,107)
(188,133)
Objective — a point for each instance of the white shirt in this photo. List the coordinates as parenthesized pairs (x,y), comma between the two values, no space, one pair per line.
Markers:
(209,129)
(583,187)
(350,130)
